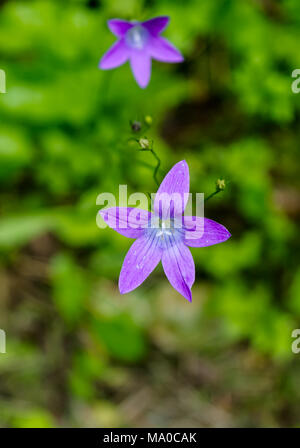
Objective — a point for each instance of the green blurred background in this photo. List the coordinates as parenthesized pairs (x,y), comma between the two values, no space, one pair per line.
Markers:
(80,354)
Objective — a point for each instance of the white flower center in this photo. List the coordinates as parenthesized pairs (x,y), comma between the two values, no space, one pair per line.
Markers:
(136,37)
(166,232)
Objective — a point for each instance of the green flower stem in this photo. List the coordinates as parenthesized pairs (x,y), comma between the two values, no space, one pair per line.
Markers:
(211,195)
(157,166)
(220,186)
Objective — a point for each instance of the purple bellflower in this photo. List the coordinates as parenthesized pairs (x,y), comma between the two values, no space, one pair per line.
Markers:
(164,235)
(138,42)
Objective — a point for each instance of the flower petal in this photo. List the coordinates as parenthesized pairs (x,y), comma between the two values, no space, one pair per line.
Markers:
(156,25)
(202,232)
(129,222)
(172,195)
(162,50)
(179,267)
(115,56)
(119,27)
(141,259)
(140,62)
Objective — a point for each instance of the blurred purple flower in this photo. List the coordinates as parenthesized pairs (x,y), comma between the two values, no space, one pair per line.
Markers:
(139,42)
(161,238)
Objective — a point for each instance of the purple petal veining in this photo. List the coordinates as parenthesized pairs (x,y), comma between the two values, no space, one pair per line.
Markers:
(141,259)
(161,235)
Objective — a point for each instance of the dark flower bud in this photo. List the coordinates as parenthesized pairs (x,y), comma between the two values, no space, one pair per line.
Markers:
(136,126)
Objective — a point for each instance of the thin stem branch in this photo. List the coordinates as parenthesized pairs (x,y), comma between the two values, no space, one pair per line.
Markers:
(211,195)
(220,186)
(157,166)
(147,145)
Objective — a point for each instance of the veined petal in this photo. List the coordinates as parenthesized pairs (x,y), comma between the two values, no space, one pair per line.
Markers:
(202,232)
(140,62)
(115,56)
(119,27)
(127,221)
(141,259)
(179,267)
(156,25)
(172,195)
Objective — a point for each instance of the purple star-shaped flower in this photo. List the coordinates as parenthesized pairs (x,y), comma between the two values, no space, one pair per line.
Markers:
(139,42)
(164,235)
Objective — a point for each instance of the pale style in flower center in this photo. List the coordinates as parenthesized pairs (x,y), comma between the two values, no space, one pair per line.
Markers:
(165,231)
(137,37)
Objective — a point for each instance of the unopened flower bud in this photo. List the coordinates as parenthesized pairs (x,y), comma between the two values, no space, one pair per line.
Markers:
(136,126)
(144,143)
(220,184)
(148,120)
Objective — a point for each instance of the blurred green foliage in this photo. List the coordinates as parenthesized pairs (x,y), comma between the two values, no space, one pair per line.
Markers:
(78,353)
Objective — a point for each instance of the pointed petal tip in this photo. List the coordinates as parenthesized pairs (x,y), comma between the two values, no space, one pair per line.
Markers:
(142,85)
(227,234)
(156,25)
(165,20)
(114,19)
(164,51)
(181,163)
(184,164)
(115,56)
(103,66)
(163,17)
(176,181)
(122,288)
(102,63)
(188,295)
(119,27)
(122,291)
